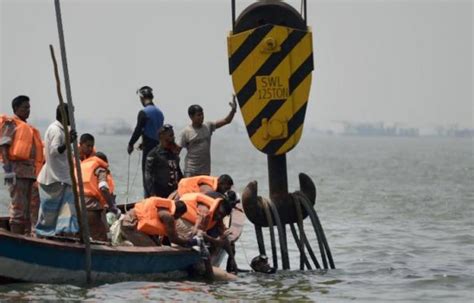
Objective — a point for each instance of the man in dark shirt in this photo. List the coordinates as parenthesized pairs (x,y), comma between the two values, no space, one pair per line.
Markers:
(150,120)
(162,171)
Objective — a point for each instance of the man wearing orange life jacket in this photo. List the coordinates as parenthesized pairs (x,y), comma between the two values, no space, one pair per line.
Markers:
(98,191)
(205,211)
(86,146)
(22,157)
(155,217)
(205,217)
(203,184)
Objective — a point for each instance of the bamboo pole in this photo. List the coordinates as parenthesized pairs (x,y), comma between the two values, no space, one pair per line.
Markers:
(64,121)
(83,212)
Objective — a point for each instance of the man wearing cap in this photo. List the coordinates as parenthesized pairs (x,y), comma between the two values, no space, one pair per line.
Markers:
(162,171)
(149,121)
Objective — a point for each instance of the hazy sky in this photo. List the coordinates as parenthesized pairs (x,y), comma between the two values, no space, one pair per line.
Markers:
(393,61)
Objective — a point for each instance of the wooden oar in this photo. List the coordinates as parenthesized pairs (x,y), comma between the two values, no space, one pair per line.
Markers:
(83,212)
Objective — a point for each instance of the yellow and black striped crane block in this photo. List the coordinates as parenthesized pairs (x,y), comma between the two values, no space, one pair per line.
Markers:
(271,67)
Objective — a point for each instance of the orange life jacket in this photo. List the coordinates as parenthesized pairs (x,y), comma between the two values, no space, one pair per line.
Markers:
(192,200)
(91,181)
(191,184)
(147,214)
(24,138)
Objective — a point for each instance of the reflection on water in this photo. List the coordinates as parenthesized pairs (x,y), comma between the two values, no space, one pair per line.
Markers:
(397,213)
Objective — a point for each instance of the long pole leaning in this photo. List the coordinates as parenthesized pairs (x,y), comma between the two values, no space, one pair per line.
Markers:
(83,212)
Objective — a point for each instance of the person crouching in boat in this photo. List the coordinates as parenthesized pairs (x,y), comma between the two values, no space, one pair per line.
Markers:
(22,157)
(153,219)
(98,192)
(205,212)
(203,184)
(86,146)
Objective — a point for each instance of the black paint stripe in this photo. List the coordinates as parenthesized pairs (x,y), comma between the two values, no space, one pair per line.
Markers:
(268,111)
(295,122)
(272,107)
(301,73)
(269,66)
(248,46)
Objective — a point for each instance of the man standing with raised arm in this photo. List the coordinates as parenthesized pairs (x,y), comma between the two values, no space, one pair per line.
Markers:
(196,138)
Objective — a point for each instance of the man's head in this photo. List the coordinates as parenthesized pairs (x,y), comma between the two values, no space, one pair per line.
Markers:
(146,94)
(232,198)
(224,183)
(196,114)
(21,107)
(224,208)
(59,115)
(260,264)
(86,144)
(102,156)
(166,135)
(180,209)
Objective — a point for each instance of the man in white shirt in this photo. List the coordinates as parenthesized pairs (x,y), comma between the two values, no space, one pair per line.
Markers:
(57,214)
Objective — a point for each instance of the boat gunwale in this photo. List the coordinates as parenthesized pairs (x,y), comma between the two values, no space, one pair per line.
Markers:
(103,249)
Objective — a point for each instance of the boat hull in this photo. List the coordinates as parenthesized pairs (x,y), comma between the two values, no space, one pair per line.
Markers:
(45,261)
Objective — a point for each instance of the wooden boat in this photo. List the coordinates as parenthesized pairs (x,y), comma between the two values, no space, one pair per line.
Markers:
(30,259)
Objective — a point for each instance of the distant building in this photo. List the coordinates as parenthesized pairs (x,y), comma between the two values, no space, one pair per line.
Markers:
(378,129)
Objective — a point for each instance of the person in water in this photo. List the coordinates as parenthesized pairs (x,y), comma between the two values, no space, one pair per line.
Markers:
(150,119)
(260,264)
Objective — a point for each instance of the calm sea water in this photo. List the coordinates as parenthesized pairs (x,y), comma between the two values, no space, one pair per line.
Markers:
(398,214)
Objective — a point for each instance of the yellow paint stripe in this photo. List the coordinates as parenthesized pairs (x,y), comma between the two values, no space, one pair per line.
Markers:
(291,142)
(235,41)
(252,63)
(299,98)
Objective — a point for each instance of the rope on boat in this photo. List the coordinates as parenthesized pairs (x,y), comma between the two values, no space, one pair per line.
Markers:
(128,182)
(127,194)
(243,247)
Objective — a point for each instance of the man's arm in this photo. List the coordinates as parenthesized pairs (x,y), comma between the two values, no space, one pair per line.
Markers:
(6,139)
(171,232)
(230,116)
(151,164)
(182,142)
(180,172)
(202,218)
(72,137)
(141,121)
(104,188)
